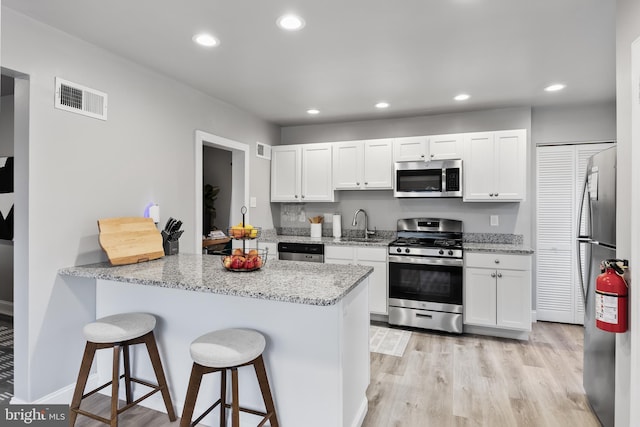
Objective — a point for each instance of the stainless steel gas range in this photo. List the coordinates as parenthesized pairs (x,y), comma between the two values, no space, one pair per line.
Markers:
(425,274)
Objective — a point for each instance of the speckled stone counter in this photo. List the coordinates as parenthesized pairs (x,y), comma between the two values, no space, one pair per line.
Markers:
(504,248)
(287,281)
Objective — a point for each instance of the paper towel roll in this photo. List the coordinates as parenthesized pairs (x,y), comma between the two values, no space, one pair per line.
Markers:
(337,226)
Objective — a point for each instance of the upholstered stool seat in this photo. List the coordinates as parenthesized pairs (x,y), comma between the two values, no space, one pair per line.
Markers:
(120,331)
(223,350)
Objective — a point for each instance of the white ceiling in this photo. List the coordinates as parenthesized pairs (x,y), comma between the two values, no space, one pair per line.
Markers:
(414,54)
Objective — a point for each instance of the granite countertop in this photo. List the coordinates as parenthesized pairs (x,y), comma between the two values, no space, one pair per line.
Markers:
(329,241)
(287,281)
(504,248)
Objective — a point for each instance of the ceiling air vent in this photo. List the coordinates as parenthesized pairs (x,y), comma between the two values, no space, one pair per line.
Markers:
(263,151)
(80,99)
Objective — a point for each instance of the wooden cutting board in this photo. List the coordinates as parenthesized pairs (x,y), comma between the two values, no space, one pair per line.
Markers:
(129,240)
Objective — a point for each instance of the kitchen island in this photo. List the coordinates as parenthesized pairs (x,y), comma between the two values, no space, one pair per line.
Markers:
(315,318)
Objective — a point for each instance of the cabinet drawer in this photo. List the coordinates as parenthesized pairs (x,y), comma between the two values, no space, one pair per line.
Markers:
(497,261)
(339,252)
(372,254)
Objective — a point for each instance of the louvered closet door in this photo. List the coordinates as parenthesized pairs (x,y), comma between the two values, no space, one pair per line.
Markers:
(560,174)
(555,299)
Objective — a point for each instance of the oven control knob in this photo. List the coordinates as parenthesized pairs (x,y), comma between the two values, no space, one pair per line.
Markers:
(441,252)
(398,250)
(450,252)
(407,250)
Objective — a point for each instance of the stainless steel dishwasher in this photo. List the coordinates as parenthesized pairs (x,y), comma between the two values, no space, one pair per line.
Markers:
(310,252)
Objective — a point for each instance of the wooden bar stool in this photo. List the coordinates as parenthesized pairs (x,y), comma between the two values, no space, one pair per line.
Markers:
(119,332)
(223,350)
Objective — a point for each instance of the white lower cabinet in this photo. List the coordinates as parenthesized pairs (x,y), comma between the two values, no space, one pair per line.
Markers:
(373,257)
(497,291)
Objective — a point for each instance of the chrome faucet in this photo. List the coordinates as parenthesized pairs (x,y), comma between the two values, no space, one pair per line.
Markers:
(367,232)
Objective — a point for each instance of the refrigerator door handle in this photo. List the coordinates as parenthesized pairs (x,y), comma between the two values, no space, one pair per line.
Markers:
(582,239)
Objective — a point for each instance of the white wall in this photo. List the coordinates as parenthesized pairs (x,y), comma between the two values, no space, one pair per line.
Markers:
(574,123)
(82,169)
(6,125)
(628,216)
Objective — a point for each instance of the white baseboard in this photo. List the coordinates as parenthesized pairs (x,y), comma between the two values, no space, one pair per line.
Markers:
(534,317)
(6,308)
(60,396)
(362,412)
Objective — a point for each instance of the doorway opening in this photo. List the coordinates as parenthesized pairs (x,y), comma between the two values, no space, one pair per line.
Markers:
(14,268)
(239,196)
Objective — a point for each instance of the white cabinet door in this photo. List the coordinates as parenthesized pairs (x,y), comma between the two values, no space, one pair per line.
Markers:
(317,179)
(286,171)
(347,165)
(378,289)
(378,164)
(495,166)
(373,257)
(513,296)
(363,165)
(478,166)
(480,296)
(510,165)
(445,147)
(410,149)
(302,173)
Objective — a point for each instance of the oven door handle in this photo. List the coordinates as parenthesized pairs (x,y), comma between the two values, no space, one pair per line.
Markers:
(401,259)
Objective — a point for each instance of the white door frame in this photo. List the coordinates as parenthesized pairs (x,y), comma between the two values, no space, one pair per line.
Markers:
(239,177)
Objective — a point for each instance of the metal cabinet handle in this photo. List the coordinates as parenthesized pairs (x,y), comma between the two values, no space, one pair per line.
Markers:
(499,274)
(493,274)
(357,183)
(490,194)
(496,194)
(366,183)
(296,196)
(497,261)
(303,196)
(422,155)
(433,155)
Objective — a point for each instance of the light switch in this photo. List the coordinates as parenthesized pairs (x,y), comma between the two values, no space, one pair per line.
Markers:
(252,202)
(494,220)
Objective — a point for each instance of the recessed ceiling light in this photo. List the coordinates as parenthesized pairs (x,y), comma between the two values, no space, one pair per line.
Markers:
(290,22)
(313,111)
(462,97)
(206,40)
(554,87)
(382,105)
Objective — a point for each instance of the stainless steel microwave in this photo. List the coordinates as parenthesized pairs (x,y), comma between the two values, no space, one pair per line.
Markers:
(439,178)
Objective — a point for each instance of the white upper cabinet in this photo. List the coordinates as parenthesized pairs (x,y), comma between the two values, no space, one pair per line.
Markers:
(445,147)
(363,165)
(495,166)
(302,173)
(410,148)
(435,147)
(286,172)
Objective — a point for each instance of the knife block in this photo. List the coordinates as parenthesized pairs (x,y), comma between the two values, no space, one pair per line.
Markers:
(171,247)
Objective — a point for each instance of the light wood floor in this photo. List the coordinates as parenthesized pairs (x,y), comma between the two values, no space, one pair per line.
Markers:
(444,380)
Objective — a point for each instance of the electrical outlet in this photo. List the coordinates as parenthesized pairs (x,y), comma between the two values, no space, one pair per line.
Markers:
(252,202)
(494,220)
(328,218)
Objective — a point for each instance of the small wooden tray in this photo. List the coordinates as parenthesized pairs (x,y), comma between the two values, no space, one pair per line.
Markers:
(129,240)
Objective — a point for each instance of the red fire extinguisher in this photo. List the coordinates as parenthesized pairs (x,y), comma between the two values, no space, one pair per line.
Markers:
(612,296)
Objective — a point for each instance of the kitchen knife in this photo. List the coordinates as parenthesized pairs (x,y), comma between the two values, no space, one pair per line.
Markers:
(166,227)
(176,226)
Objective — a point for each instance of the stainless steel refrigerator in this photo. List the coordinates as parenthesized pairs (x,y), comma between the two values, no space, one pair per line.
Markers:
(597,240)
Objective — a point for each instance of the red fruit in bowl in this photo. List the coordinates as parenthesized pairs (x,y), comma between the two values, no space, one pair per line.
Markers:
(250,264)
(258,261)
(237,263)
